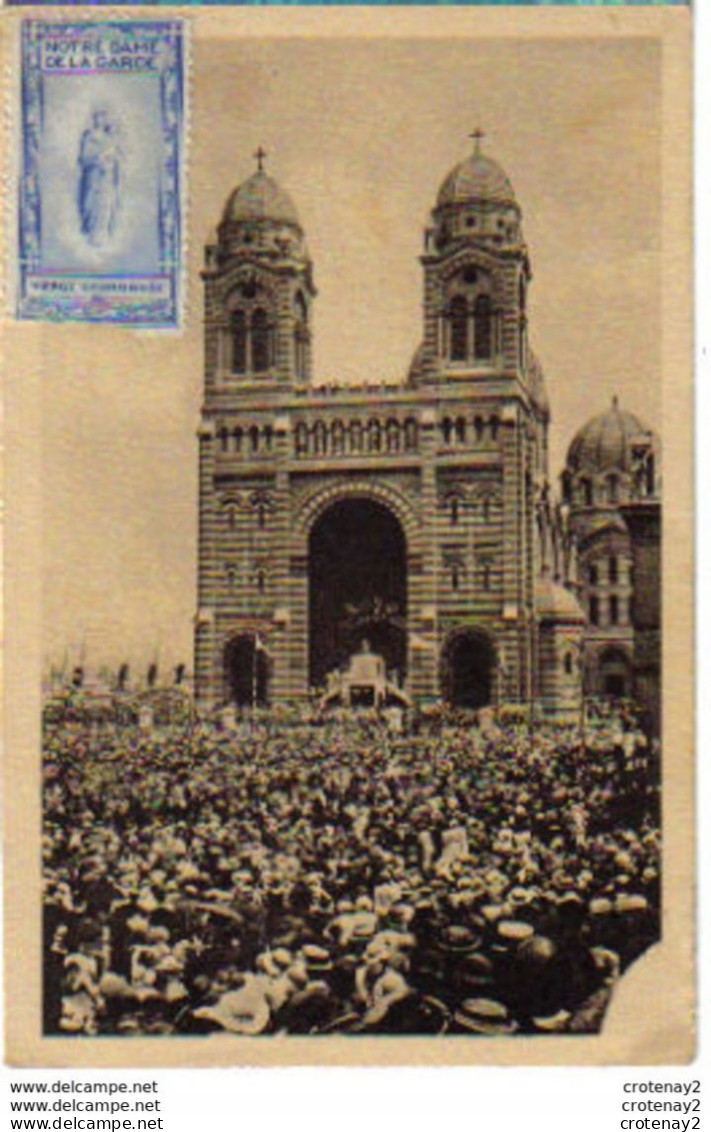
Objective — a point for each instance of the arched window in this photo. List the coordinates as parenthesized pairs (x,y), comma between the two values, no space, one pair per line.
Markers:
(460,430)
(231,513)
(458,344)
(320,438)
(446,427)
(593,574)
(568,663)
(482,327)
(486,508)
(355,436)
(261,581)
(224,438)
(300,336)
(337,438)
(594,610)
(612,489)
(612,568)
(494,422)
(268,437)
(486,578)
(373,435)
(238,334)
(614,609)
(454,510)
(254,438)
(586,493)
(410,435)
(454,575)
(237,439)
(478,427)
(301,439)
(301,309)
(260,342)
(392,435)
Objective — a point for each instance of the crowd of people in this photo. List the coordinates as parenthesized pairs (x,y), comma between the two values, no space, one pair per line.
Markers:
(332,877)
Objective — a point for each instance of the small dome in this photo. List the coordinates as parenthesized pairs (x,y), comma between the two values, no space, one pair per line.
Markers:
(605,442)
(260,198)
(605,523)
(555,603)
(477,178)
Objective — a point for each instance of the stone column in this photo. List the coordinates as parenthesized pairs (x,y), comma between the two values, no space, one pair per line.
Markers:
(423,645)
(207,677)
(280,535)
(513,643)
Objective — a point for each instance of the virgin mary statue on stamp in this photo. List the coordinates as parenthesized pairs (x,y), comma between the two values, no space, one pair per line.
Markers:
(100,165)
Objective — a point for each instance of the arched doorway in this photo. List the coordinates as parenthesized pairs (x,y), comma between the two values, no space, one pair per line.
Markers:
(469,669)
(357,587)
(246,667)
(614,676)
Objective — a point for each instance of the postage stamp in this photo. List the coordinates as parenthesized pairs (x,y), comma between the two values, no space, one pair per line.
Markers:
(102,137)
(349,675)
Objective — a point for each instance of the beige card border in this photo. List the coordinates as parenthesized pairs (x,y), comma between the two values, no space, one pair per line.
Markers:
(659,1030)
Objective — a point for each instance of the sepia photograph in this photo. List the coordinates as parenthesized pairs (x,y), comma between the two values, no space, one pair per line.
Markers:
(351,668)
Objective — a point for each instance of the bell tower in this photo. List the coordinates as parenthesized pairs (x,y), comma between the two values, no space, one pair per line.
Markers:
(477,272)
(258,292)
(258,306)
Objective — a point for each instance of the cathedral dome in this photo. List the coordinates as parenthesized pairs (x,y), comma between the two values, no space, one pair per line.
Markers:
(477,178)
(555,603)
(606,441)
(260,198)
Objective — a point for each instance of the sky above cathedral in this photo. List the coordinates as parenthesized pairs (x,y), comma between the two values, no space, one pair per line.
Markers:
(361,134)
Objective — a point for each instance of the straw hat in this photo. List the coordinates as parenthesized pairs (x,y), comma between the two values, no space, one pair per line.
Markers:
(484,1016)
(631,902)
(553,1023)
(244,1011)
(317,958)
(514,931)
(458,939)
(600,906)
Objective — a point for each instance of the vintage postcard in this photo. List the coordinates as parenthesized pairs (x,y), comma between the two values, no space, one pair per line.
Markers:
(349,629)
(102,135)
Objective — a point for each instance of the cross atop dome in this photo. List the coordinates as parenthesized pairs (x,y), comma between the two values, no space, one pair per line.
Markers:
(477,178)
(260,198)
(477,136)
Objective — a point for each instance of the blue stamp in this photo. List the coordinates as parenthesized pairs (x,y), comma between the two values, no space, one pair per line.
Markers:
(100,208)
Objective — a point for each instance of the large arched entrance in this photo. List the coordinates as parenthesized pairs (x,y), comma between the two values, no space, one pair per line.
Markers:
(357,587)
(246,667)
(469,669)
(614,674)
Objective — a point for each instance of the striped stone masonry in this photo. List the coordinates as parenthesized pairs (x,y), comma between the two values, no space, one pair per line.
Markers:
(452,453)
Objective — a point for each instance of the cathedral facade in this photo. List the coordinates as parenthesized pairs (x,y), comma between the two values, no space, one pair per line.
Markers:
(416,517)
